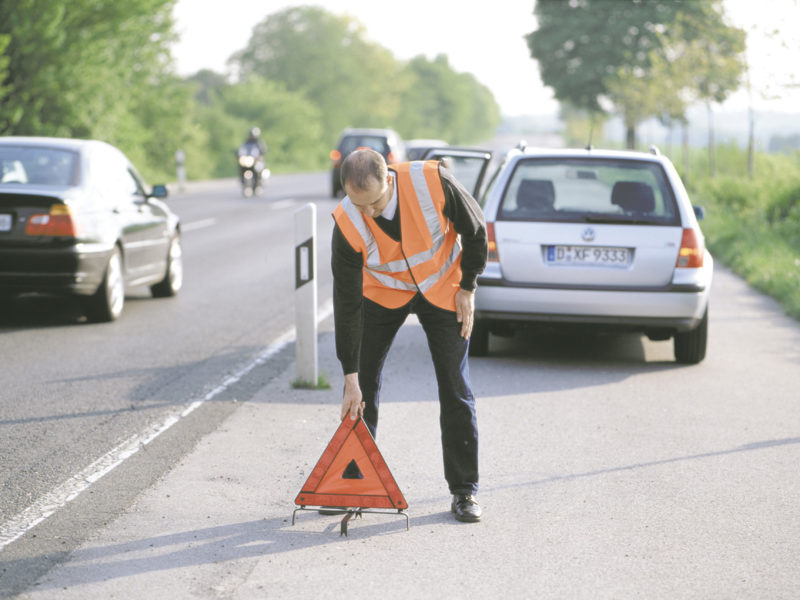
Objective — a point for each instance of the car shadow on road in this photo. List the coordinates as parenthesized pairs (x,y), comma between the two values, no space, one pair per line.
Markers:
(550,360)
(211,545)
(33,311)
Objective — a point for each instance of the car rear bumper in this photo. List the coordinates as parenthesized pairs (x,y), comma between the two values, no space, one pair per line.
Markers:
(71,269)
(677,308)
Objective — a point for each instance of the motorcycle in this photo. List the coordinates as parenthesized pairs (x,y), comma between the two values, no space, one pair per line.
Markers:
(252,169)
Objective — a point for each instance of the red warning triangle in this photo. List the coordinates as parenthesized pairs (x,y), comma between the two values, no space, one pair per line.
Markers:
(351,473)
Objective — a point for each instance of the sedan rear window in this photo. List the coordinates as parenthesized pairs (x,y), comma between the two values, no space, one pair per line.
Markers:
(351,143)
(38,166)
(589,190)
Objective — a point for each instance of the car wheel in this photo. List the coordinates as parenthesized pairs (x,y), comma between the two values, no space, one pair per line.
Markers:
(479,340)
(173,278)
(107,302)
(690,346)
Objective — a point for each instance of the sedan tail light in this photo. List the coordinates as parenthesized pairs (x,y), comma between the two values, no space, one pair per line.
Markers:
(692,250)
(493,255)
(58,222)
(336,156)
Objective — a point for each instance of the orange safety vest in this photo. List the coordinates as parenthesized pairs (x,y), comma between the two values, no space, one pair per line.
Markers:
(427,258)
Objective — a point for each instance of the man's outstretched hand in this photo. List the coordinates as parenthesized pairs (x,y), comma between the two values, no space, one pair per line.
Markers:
(351,401)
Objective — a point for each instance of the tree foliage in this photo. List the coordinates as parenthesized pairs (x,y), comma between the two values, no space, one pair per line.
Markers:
(289,123)
(640,58)
(439,103)
(99,69)
(356,82)
(327,59)
(90,68)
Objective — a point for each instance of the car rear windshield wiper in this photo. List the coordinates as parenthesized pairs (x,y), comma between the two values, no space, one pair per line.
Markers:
(621,219)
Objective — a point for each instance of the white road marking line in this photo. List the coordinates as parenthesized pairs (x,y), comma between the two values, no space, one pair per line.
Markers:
(59,497)
(199,224)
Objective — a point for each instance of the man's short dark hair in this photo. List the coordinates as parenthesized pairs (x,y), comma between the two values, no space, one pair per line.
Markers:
(362,165)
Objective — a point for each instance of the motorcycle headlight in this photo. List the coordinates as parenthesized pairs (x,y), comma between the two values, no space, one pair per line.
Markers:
(247,161)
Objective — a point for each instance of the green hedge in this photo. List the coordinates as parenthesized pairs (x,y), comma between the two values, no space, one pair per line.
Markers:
(752,225)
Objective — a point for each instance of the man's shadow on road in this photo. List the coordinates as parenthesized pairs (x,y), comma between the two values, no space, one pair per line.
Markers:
(219,544)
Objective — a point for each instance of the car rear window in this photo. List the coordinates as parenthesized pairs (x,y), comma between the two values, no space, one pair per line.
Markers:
(38,166)
(589,190)
(354,142)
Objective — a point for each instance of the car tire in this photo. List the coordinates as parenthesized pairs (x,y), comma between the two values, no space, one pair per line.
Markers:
(107,302)
(479,340)
(690,346)
(173,278)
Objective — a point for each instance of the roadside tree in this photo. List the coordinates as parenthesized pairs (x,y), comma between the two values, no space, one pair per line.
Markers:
(438,102)
(604,56)
(88,68)
(327,59)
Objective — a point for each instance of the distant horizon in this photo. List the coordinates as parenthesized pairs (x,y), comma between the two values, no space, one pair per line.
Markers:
(729,125)
(482,41)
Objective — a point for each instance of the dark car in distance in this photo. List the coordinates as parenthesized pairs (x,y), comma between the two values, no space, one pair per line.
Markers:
(386,141)
(76,219)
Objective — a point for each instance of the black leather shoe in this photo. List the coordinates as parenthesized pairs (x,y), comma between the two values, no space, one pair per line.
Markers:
(466,508)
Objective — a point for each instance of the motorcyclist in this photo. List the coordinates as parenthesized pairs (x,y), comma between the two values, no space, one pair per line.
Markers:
(254,138)
(253,147)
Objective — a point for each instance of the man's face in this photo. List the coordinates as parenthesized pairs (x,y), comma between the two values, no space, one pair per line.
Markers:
(372,200)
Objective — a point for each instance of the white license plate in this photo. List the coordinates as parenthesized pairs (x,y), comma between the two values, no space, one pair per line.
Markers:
(5,222)
(588,255)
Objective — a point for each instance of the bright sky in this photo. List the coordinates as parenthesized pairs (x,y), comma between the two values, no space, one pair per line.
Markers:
(485,39)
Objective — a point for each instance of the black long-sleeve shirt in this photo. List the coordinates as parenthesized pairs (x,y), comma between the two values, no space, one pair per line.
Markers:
(347,264)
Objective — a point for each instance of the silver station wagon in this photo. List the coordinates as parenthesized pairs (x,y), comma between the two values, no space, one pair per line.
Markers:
(594,237)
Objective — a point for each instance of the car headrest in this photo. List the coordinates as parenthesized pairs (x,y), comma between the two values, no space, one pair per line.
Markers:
(536,194)
(633,196)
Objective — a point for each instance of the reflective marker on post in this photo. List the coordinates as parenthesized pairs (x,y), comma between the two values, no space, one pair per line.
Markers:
(305,306)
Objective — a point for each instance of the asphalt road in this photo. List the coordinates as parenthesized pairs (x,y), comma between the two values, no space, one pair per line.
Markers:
(71,391)
(608,470)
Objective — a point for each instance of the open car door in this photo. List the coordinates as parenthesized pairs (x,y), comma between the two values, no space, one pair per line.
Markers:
(469,165)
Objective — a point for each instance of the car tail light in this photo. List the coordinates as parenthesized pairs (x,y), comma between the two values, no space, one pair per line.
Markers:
(58,222)
(336,156)
(493,256)
(690,256)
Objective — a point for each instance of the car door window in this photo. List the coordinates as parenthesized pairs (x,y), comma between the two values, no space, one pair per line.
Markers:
(134,185)
(468,166)
(118,184)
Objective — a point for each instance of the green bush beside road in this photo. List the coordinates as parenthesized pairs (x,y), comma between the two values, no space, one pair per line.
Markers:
(752,225)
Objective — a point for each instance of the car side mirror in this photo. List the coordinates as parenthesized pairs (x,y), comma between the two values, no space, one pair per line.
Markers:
(699,212)
(159,191)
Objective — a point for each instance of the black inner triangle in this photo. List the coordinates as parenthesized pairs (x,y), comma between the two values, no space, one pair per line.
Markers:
(352,471)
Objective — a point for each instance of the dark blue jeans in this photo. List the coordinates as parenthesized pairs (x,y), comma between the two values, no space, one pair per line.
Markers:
(448,349)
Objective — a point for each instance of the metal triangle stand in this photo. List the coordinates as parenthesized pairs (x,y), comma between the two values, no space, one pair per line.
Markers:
(350,513)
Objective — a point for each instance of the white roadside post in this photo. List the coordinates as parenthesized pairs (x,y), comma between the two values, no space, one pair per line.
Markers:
(305,294)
